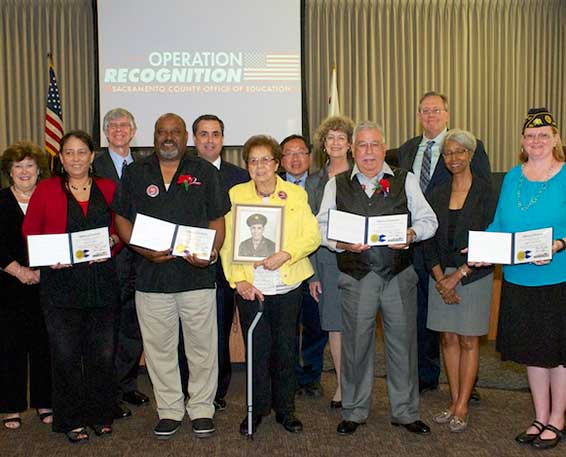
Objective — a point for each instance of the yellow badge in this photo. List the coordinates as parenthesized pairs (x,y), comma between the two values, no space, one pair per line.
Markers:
(374,238)
(79,254)
(521,255)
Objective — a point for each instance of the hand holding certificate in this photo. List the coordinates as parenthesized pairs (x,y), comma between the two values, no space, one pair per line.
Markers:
(69,248)
(510,248)
(165,237)
(371,231)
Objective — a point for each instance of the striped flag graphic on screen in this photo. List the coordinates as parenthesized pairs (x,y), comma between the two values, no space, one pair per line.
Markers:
(272,67)
(53,114)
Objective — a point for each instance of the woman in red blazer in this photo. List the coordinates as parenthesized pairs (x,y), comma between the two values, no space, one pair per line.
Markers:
(79,301)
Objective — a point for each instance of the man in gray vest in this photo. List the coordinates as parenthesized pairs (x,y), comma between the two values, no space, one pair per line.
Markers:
(378,279)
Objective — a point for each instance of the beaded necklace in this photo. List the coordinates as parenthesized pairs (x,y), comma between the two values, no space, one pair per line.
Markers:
(535,197)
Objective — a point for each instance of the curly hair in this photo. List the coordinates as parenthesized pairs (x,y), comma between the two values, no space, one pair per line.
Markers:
(340,123)
(21,150)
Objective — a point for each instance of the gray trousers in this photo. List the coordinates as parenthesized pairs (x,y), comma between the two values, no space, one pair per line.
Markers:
(396,300)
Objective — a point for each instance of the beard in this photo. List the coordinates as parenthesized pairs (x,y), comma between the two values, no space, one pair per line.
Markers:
(168,155)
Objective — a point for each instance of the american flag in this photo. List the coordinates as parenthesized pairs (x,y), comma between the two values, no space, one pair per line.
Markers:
(53,114)
(272,67)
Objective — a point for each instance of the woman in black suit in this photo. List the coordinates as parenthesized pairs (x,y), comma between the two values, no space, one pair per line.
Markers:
(22,328)
(459,296)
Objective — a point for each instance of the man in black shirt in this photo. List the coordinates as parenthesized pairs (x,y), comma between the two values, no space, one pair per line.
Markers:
(185,190)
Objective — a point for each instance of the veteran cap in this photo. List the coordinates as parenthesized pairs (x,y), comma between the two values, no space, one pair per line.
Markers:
(255,219)
(539,117)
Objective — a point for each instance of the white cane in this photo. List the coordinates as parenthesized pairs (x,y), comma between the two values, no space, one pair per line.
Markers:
(249,358)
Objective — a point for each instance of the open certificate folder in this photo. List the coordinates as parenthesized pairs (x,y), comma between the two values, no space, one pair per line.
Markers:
(69,248)
(510,248)
(375,230)
(159,235)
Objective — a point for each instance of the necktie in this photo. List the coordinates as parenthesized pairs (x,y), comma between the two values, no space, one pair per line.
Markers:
(124,163)
(297,182)
(425,167)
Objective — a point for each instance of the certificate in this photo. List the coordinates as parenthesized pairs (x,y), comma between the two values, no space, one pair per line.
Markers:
(47,250)
(375,230)
(69,248)
(490,247)
(193,240)
(90,245)
(152,233)
(533,245)
(384,230)
(510,248)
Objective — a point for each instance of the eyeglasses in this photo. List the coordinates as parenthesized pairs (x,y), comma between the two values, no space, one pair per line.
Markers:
(429,111)
(459,153)
(263,160)
(295,154)
(116,126)
(537,137)
(364,145)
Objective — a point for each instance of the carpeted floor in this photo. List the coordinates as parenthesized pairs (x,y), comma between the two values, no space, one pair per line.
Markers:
(493,424)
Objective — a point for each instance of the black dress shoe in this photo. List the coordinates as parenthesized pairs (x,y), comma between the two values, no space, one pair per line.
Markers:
(335,404)
(418,427)
(347,427)
(311,389)
(120,411)
(549,443)
(256,420)
(219,404)
(135,397)
(289,422)
(427,387)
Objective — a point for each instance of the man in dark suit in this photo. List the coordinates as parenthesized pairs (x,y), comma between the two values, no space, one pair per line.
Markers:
(421,155)
(208,136)
(119,126)
(296,161)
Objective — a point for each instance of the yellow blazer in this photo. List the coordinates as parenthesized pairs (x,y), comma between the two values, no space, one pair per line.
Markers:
(301,236)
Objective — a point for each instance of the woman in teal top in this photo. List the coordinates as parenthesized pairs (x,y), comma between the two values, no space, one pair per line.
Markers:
(532,319)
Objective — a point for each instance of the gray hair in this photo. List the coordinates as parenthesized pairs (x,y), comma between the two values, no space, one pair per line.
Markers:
(367,125)
(463,138)
(433,93)
(115,114)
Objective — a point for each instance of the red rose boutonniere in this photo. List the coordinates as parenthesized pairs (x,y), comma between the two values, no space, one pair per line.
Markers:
(383,186)
(188,180)
(282,195)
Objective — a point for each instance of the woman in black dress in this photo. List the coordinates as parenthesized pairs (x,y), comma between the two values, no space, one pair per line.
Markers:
(22,328)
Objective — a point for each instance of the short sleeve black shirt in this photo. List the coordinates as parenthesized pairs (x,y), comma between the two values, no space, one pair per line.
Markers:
(142,190)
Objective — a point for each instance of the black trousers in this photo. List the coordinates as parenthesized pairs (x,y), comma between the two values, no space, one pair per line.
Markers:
(82,357)
(274,352)
(129,346)
(23,338)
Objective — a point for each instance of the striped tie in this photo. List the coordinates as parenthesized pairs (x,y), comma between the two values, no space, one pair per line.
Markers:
(425,167)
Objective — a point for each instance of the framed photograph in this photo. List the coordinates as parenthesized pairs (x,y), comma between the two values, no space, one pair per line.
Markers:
(258,232)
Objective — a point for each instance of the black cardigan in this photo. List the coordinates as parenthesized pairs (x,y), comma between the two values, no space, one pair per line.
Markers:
(477,213)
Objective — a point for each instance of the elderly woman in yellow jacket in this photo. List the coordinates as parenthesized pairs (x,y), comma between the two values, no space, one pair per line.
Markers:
(274,337)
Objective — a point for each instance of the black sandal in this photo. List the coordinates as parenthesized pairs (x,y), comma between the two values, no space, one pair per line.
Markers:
(80,436)
(528,438)
(549,443)
(13,420)
(102,430)
(43,416)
